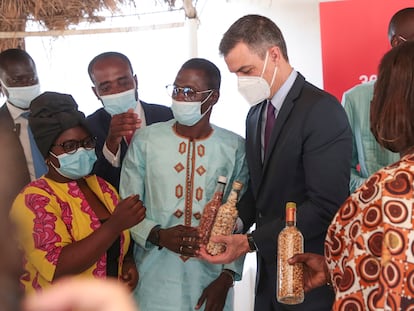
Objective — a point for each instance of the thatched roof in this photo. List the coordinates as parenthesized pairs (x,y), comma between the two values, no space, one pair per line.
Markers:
(52,14)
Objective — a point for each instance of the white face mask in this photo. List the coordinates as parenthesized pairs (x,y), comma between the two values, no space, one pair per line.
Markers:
(256,89)
(22,96)
(188,113)
(120,102)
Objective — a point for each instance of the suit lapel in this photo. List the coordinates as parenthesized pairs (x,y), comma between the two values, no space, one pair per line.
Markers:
(13,156)
(282,117)
(253,142)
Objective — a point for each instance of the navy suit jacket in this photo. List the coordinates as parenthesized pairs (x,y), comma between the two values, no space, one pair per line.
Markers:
(14,174)
(308,161)
(99,123)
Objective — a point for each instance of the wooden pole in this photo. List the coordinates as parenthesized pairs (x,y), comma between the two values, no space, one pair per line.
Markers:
(68,32)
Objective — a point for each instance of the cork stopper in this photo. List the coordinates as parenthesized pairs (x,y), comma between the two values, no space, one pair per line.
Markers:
(237,185)
(222,179)
(290,205)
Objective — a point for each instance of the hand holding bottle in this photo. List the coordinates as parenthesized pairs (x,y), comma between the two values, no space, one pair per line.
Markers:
(236,245)
(315,270)
(290,277)
(225,220)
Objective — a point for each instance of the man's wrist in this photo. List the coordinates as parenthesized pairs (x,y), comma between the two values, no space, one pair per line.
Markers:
(252,244)
(112,145)
(112,158)
(230,274)
(154,236)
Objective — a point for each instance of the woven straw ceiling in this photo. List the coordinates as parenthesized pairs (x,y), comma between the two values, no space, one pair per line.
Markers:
(52,14)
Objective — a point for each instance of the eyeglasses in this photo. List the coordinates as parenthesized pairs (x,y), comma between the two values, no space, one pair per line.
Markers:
(406,38)
(188,92)
(402,38)
(71,146)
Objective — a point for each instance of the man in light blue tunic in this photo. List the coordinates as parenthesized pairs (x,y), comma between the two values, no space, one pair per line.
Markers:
(367,155)
(174,167)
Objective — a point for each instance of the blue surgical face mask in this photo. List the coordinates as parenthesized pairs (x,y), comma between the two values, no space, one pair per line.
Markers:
(119,103)
(22,96)
(75,165)
(188,113)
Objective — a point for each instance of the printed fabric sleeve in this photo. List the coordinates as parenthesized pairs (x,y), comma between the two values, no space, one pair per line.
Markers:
(41,229)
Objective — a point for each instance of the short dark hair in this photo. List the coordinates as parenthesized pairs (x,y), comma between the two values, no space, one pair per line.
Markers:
(108,55)
(401,16)
(257,32)
(14,55)
(392,106)
(211,72)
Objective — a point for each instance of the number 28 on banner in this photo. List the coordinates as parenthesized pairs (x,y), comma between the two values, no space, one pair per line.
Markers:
(367,78)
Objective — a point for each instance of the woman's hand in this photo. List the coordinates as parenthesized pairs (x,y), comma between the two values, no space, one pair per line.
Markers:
(128,213)
(130,275)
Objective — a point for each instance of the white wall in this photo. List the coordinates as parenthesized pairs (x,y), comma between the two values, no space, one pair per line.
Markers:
(156,55)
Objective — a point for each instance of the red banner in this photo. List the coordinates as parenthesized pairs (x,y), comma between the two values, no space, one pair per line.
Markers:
(354,35)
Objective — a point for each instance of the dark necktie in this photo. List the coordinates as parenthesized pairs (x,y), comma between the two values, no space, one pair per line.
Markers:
(38,160)
(270,122)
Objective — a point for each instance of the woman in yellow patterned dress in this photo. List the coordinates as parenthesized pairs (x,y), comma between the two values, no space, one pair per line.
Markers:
(369,249)
(69,222)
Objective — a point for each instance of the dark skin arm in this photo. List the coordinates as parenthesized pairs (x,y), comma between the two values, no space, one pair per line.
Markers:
(130,275)
(80,255)
(315,270)
(215,294)
(122,124)
(179,239)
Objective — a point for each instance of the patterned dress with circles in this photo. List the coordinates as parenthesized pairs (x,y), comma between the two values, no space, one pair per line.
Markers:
(370,244)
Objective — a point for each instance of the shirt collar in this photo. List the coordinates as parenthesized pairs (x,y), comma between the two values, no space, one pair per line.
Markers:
(14,111)
(280,95)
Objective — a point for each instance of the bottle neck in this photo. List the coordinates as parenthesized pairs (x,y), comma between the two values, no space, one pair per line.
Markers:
(290,223)
(233,196)
(218,192)
(290,217)
(220,187)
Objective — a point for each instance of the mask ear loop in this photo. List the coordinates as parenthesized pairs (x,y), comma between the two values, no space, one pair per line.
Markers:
(265,64)
(202,103)
(274,76)
(264,68)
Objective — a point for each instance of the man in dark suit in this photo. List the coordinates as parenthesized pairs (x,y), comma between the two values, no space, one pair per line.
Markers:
(298,147)
(116,86)
(20,84)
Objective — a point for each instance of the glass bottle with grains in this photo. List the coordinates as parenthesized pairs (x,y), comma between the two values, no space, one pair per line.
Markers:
(210,211)
(290,277)
(225,219)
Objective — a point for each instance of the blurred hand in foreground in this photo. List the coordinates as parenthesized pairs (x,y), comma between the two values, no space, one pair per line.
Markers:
(82,294)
